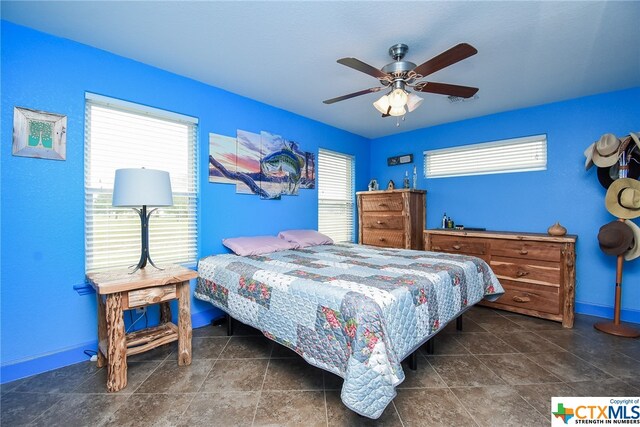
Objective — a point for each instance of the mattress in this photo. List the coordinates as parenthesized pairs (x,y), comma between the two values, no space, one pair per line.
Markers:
(353,310)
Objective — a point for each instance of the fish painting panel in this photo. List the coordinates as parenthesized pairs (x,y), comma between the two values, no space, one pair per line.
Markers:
(223,150)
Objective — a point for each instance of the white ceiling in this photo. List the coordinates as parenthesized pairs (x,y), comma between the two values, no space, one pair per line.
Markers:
(284,53)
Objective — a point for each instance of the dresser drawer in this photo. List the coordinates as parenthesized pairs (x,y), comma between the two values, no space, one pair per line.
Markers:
(392,222)
(527,250)
(529,297)
(394,239)
(151,295)
(386,202)
(527,271)
(455,245)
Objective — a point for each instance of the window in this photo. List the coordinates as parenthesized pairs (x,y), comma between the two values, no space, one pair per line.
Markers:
(119,135)
(510,155)
(335,195)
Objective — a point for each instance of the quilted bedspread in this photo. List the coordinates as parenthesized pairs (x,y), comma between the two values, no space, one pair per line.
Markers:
(353,310)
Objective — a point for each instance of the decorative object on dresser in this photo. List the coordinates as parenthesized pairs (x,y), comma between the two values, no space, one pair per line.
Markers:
(391,185)
(537,271)
(373,185)
(556,230)
(118,291)
(391,218)
(133,188)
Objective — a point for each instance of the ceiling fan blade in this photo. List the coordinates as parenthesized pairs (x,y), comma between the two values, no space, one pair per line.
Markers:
(447,89)
(446,58)
(353,95)
(356,64)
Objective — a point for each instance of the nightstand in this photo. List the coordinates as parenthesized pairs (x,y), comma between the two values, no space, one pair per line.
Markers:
(118,291)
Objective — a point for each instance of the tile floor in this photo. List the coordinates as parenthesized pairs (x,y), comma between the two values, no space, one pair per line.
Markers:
(502,370)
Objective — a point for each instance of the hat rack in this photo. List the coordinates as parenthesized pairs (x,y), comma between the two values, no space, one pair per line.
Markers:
(624,157)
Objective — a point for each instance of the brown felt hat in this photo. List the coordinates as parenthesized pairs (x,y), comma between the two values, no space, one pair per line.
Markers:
(634,252)
(605,153)
(615,238)
(623,198)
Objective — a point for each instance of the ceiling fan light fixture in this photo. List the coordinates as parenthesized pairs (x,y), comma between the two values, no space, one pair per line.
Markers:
(398,98)
(413,101)
(397,111)
(382,104)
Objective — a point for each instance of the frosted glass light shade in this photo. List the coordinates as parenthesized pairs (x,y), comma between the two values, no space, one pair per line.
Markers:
(382,104)
(397,98)
(397,111)
(413,101)
(138,187)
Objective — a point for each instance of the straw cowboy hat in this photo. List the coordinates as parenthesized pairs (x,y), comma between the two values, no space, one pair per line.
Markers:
(605,151)
(634,252)
(623,198)
(615,238)
(636,138)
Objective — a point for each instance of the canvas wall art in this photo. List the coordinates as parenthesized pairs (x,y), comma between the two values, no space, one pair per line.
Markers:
(264,164)
(39,134)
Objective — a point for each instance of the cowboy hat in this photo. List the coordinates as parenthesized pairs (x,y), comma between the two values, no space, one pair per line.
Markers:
(615,238)
(636,138)
(623,198)
(605,152)
(634,252)
(588,153)
(606,176)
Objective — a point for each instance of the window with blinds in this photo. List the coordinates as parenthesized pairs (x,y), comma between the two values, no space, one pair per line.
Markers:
(510,155)
(336,195)
(119,135)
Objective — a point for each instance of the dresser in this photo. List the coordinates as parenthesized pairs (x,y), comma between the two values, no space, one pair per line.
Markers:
(392,218)
(537,271)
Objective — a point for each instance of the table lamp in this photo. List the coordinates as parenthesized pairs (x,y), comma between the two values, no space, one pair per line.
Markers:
(133,188)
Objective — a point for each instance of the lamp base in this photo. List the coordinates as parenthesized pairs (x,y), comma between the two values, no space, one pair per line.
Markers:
(620,329)
(144,253)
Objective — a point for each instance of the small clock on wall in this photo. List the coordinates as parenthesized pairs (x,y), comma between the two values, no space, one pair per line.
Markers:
(400,160)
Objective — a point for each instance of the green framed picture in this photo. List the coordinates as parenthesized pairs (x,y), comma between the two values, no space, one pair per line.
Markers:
(39,134)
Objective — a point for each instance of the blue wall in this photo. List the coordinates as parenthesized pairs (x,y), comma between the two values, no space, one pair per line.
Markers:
(532,201)
(42,201)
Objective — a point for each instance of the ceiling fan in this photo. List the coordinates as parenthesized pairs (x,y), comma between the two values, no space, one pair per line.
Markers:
(400,75)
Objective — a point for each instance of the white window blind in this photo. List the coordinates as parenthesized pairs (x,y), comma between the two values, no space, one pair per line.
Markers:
(125,135)
(335,195)
(510,155)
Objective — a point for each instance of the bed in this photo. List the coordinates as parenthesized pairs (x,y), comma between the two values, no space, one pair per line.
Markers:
(356,311)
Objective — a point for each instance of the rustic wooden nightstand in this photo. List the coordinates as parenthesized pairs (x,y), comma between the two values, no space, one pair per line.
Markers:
(118,291)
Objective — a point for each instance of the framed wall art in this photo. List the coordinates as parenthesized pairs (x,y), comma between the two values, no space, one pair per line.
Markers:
(39,134)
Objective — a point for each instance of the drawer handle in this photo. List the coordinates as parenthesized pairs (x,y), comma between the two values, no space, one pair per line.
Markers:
(380,222)
(522,273)
(523,251)
(381,239)
(521,299)
(457,247)
(382,204)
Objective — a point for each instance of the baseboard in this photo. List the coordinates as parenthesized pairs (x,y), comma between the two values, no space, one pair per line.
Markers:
(626,315)
(72,355)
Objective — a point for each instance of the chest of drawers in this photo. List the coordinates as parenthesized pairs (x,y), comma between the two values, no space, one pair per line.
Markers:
(393,218)
(537,271)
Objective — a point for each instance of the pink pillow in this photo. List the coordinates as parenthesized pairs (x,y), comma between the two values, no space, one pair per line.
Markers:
(305,238)
(257,245)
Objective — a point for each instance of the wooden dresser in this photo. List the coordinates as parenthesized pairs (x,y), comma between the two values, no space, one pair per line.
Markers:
(393,218)
(537,271)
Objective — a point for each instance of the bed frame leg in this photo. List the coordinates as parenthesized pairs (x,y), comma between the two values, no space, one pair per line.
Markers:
(229,325)
(413,361)
(430,346)
(459,323)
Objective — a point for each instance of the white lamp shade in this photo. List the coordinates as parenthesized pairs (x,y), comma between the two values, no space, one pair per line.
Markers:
(413,102)
(395,112)
(382,104)
(397,98)
(138,187)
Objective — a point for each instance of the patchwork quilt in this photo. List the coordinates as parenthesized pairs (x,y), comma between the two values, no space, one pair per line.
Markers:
(353,310)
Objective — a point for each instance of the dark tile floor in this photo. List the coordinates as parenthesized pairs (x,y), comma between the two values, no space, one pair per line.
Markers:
(502,370)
